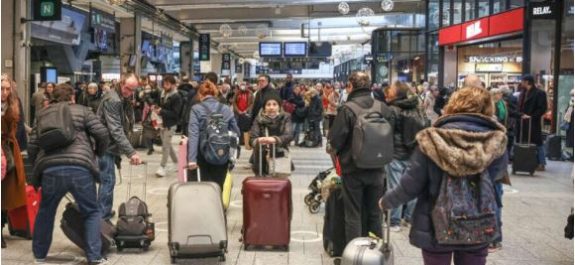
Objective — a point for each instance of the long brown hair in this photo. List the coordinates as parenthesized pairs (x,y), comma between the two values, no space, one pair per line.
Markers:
(12,101)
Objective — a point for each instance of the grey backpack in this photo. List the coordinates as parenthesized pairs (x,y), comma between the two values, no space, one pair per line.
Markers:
(372,142)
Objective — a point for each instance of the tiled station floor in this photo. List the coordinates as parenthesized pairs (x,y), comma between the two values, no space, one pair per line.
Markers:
(534,215)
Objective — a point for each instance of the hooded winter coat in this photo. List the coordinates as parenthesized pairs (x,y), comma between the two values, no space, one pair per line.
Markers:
(459,145)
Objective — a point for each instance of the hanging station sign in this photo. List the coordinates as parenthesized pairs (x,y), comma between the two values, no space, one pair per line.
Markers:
(204,47)
(542,10)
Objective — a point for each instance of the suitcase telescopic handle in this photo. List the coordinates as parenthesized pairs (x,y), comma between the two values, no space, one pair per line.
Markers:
(186,174)
(387,242)
(521,130)
(129,190)
(261,156)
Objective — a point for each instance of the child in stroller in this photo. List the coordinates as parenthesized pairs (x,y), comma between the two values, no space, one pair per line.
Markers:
(319,190)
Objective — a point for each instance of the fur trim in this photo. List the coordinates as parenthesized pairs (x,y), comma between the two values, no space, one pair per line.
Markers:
(462,153)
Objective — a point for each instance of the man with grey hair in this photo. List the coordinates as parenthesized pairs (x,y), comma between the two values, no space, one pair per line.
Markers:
(362,188)
(473,81)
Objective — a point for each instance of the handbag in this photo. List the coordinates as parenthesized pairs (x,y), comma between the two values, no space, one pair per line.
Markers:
(279,165)
(288,106)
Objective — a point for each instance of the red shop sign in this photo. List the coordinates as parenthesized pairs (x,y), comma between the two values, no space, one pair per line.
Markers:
(502,23)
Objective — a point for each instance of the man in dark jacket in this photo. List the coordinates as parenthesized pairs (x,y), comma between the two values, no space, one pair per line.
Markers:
(532,105)
(287,91)
(115,113)
(70,169)
(299,114)
(409,121)
(264,91)
(361,187)
(169,109)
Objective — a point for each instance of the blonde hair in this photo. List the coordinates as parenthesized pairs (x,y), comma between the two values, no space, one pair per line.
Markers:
(470,100)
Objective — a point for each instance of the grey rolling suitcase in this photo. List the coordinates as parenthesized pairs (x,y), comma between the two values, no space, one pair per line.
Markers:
(524,154)
(369,251)
(196,221)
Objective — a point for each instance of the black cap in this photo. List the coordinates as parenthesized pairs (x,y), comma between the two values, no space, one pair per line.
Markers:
(529,78)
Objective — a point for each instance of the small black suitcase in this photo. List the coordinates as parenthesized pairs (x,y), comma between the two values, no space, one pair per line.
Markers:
(134,228)
(72,224)
(334,224)
(524,154)
(553,147)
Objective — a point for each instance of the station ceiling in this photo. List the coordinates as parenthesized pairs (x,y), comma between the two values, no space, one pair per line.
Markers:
(281,20)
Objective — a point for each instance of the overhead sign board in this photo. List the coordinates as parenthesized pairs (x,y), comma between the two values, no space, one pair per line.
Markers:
(204,47)
(46,10)
(542,10)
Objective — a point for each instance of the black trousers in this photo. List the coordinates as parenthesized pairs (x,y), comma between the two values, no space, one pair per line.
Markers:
(361,194)
(209,172)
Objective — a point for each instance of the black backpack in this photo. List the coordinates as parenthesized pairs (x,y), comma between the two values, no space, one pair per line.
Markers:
(56,127)
(372,143)
(215,139)
(133,218)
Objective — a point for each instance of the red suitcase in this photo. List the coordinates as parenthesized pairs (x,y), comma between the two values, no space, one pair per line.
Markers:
(267,212)
(21,220)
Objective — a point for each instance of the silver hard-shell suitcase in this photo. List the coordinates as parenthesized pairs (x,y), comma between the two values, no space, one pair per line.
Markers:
(196,221)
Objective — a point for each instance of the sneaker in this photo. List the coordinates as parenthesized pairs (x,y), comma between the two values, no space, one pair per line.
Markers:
(171,168)
(161,172)
(395,228)
(405,223)
(540,168)
(3,243)
(98,261)
(494,247)
(40,261)
(150,152)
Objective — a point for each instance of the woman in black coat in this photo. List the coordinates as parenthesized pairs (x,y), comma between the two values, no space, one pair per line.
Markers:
(466,141)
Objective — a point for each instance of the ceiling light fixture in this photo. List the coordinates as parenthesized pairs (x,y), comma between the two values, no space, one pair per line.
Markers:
(363,16)
(387,5)
(343,8)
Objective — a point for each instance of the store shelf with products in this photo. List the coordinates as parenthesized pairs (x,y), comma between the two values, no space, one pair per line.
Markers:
(493,79)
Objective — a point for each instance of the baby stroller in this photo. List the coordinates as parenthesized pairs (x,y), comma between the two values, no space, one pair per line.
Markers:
(320,188)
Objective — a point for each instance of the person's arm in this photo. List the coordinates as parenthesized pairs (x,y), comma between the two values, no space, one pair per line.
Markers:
(232,123)
(193,136)
(541,104)
(255,133)
(340,129)
(411,184)
(235,103)
(287,135)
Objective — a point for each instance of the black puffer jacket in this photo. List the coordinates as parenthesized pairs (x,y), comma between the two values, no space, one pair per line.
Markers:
(341,133)
(80,153)
(405,108)
(300,113)
(461,145)
(171,105)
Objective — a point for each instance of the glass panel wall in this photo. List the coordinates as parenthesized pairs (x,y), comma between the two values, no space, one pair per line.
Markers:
(483,8)
(446,13)
(457,11)
(565,82)
(398,55)
(433,15)
(469,10)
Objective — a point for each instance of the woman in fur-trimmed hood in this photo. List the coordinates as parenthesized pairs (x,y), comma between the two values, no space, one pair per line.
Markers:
(465,141)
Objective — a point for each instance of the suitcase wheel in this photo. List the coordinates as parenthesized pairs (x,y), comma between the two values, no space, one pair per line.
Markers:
(308,199)
(314,207)
(222,258)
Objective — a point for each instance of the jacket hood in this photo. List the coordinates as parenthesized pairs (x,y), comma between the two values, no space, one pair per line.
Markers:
(463,144)
(409,102)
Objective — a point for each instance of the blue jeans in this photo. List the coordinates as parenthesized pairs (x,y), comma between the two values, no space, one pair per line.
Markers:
(394,170)
(297,128)
(56,182)
(107,182)
(499,191)
(541,155)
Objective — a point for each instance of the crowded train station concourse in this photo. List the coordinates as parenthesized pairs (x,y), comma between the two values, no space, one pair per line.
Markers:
(303,132)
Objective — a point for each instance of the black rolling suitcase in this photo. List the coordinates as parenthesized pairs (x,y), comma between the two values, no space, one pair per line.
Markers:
(134,228)
(524,154)
(72,224)
(553,147)
(334,224)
